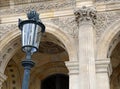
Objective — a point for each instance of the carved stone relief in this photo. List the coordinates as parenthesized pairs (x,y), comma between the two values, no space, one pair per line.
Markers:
(68,25)
(5,28)
(85,14)
(42,6)
(104,20)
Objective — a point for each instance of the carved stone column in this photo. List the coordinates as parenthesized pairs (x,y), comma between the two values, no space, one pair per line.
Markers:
(103,71)
(87,42)
(2,79)
(73,68)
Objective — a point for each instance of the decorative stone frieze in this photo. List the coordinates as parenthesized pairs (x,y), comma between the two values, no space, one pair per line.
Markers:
(41,6)
(103,66)
(73,67)
(67,25)
(85,14)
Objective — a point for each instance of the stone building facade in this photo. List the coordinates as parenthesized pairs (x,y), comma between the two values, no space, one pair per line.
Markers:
(82,41)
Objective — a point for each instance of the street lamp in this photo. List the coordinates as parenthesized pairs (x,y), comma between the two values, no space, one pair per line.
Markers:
(31,31)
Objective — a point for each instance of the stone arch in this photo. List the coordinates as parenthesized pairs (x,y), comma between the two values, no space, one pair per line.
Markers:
(108,41)
(11,37)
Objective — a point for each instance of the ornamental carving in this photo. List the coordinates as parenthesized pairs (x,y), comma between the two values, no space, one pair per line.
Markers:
(85,14)
(5,28)
(41,6)
(67,25)
(104,20)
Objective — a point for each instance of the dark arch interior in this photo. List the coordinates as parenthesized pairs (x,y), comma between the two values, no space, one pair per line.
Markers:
(56,81)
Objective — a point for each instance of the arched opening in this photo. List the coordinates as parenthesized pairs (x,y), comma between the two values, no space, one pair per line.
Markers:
(115,61)
(56,81)
(109,47)
(49,60)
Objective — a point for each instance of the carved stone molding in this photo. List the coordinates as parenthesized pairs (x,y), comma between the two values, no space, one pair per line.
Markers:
(39,6)
(85,14)
(73,67)
(103,66)
(5,28)
(107,0)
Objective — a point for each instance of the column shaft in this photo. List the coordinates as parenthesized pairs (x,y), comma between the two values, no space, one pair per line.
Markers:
(85,18)
(86,56)
(102,81)
(73,68)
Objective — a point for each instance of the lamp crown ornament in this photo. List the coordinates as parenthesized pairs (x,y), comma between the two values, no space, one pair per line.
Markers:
(33,15)
(32,30)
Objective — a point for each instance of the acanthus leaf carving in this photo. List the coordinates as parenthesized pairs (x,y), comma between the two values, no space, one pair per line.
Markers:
(68,25)
(85,14)
(104,20)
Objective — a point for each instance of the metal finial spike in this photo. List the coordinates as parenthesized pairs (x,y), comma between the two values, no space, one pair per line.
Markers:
(33,15)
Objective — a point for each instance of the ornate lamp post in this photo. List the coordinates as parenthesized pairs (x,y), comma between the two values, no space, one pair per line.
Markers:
(31,30)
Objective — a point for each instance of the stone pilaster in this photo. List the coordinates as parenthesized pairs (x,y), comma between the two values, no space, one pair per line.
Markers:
(103,71)
(73,67)
(85,17)
(2,79)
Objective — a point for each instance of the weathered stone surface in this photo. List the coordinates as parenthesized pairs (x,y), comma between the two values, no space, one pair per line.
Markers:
(67,25)
(106,0)
(85,14)
(5,28)
(104,20)
(41,6)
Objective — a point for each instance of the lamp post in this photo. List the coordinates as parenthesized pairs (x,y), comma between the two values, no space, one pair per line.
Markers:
(31,31)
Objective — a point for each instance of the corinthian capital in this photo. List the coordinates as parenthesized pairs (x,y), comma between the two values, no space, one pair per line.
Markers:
(85,14)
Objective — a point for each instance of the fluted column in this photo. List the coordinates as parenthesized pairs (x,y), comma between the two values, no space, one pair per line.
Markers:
(85,17)
(73,68)
(103,72)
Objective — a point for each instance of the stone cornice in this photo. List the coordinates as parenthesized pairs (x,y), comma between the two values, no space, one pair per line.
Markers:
(103,66)
(109,6)
(107,1)
(49,6)
(41,6)
(73,67)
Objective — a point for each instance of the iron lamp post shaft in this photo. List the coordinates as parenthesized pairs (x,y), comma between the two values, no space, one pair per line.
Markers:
(27,64)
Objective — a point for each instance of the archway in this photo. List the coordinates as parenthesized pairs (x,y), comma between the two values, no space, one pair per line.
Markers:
(10,44)
(108,41)
(56,81)
(115,61)
(11,50)
(49,60)
(108,48)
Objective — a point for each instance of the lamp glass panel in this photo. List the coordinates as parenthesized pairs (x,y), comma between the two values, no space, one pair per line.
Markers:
(30,34)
